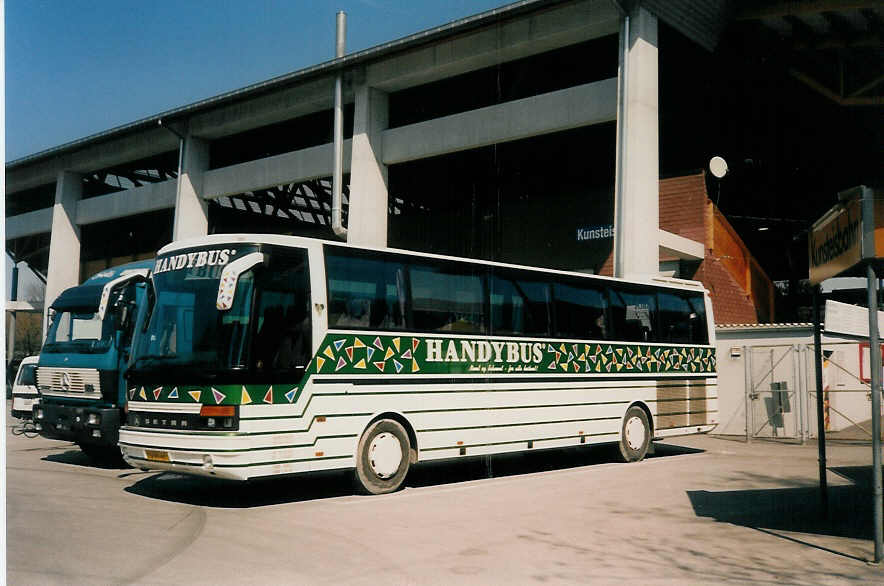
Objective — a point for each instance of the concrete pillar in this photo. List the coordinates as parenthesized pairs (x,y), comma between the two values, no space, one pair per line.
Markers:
(191,210)
(637,191)
(64,243)
(367,222)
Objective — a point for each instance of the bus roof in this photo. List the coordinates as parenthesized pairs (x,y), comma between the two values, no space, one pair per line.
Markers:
(283,240)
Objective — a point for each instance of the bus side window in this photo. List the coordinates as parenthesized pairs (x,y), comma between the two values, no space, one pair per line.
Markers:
(633,314)
(682,318)
(364,292)
(447,298)
(519,307)
(581,310)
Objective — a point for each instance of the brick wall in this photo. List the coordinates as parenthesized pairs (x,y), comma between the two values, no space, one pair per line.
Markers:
(740,291)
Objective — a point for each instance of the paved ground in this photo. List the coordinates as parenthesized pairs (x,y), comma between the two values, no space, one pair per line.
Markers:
(703,510)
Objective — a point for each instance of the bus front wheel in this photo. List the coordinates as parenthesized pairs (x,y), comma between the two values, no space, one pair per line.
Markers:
(635,437)
(382,458)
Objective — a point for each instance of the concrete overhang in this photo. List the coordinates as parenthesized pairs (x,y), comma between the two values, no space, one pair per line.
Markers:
(23,306)
(673,245)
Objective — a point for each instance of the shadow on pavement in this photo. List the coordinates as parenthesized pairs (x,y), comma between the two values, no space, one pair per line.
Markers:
(797,509)
(76,457)
(261,492)
(215,492)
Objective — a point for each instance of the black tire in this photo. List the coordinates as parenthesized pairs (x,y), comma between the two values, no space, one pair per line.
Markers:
(377,468)
(635,435)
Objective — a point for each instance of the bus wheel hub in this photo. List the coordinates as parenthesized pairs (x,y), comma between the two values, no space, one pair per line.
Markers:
(635,433)
(385,454)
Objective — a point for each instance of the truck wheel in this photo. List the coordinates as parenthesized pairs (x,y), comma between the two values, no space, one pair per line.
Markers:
(382,458)
(635,436)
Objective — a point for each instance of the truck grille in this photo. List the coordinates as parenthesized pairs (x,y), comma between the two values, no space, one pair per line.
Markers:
(69,382)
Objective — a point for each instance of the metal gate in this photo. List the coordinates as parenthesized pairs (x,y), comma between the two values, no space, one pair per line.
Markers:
(775,397)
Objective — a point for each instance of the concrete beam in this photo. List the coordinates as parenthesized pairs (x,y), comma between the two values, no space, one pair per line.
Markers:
(540,31)
(92,157)
(561,110)
(123,204)
(673,245)
(27,306)
(276,106)
(29,224)
(296,166)
(574,107)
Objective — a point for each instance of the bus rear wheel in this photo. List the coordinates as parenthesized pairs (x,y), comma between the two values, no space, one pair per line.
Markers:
(382,458)
(635,436)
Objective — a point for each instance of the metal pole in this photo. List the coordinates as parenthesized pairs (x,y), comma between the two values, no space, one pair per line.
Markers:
(820,422)
(747,377)
(796,392)
(338,164)
(875,364)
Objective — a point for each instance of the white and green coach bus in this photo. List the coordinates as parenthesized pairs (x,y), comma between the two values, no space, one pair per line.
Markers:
(265,355)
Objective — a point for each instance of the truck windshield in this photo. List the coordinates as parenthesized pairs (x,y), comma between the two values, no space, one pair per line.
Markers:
(185,328)
(79,331)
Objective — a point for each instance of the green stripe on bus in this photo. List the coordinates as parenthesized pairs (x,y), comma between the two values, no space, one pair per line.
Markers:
(348,354)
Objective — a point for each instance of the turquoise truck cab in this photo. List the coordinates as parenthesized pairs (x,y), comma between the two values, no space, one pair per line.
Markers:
(81,365)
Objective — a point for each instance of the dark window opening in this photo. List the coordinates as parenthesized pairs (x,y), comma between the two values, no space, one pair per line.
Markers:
(275,139)
(538,74)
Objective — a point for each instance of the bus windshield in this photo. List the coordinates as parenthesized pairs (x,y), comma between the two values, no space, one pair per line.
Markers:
(185,327)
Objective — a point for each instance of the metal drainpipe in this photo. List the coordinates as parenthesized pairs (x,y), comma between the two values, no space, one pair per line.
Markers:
(337,176)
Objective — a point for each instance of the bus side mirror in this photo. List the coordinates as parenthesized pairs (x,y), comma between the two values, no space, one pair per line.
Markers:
(230,276)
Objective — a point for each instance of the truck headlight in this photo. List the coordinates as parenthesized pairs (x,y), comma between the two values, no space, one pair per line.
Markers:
(39,414)
(94,419)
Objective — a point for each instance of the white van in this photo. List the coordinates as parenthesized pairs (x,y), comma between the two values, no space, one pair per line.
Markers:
(24,391)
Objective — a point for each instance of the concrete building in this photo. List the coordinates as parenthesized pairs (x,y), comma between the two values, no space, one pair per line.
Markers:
(531,133)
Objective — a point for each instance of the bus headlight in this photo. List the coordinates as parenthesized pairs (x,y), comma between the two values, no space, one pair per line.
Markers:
(39,414)
(94,419)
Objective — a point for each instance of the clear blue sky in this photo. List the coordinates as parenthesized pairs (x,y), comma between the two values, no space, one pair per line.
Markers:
(78,67)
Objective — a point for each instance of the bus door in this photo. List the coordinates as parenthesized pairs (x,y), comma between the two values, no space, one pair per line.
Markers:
(282,346)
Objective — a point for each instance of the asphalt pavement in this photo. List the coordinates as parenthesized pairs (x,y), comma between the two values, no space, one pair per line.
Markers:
(702,510)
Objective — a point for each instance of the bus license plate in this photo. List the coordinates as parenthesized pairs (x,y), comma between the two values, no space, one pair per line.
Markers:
(157,456)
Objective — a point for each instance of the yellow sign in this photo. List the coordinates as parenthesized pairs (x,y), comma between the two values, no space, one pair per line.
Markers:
(836,241)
